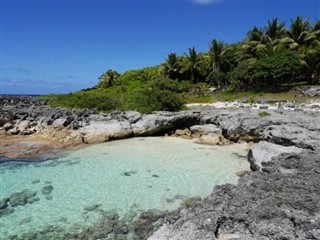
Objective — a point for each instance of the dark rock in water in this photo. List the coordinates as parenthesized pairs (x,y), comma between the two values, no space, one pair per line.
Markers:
(129,173)
(147,222)
(6,211)
(35,181)
(4,203)
(155,175)
(47,189)
(22,198)
(142,228)
(92,207)
(120,228)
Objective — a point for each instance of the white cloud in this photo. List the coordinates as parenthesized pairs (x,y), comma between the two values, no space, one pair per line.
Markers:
(205,2)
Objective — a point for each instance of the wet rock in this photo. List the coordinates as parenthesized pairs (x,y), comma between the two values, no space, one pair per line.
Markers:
(4,203)
(47,189)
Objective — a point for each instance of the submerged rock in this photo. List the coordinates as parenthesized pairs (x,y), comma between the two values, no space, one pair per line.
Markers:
(129,173)
(47,189)
(35,181)
(4,203)
(22,198)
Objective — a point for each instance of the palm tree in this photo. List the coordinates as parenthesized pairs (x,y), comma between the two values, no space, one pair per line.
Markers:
(310,58)
(313,37)
(216,51)
(275,30)
(192,63)
(108,78)
(171,66)
(297,34)
(252,45)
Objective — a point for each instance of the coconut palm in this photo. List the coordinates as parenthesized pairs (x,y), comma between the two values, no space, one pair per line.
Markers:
(297,35)
(275,30)
(171,66)
(254,42)
(191,64)
(216,50)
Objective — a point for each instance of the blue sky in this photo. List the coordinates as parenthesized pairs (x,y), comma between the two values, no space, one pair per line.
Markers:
(56,46)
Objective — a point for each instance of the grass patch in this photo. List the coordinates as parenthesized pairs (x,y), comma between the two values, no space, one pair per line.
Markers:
(264,114)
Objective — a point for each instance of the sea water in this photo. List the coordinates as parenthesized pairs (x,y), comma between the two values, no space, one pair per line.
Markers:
(124,175)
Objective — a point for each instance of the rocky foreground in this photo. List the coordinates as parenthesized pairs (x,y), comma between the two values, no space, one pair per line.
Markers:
(279,200)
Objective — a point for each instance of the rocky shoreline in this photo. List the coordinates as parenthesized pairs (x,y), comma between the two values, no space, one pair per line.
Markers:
(279,200)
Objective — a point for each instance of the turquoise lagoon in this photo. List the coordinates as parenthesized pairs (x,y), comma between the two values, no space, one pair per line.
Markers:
(126,175)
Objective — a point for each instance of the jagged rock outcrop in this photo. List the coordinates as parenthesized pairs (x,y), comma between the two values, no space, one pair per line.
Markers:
(281,202)
(311,91)
(263,152)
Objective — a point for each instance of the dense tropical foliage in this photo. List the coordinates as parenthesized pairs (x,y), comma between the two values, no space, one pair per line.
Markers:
(267,58)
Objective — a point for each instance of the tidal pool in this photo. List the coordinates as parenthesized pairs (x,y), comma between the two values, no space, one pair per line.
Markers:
(126,175)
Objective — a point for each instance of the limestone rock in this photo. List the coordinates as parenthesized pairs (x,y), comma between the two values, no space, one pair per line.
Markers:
(206,129)
(7,126)
(264,205)
(263,152)
(311,91)
(160,121)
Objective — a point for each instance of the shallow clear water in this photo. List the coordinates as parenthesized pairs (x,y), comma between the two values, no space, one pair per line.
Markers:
(132,174)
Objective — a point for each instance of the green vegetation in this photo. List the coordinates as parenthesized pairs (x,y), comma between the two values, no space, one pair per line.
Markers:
(266,62)
(152,95)
(264,114)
